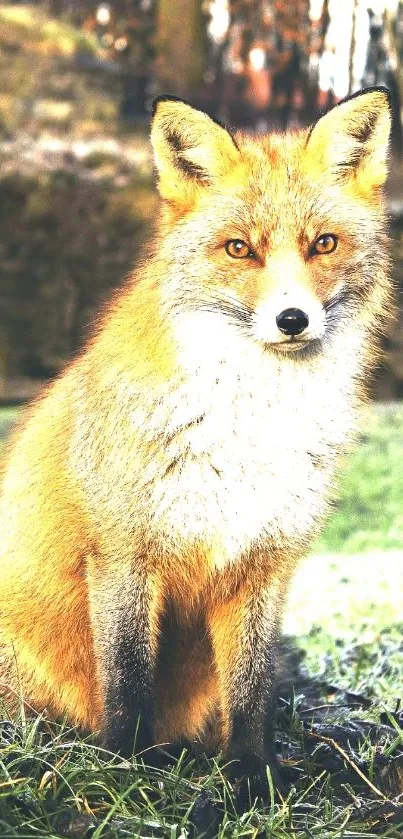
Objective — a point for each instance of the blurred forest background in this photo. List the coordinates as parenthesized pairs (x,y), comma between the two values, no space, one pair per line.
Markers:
(77,80)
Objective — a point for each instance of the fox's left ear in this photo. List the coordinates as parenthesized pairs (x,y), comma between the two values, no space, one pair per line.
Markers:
(352,139)
(191,150)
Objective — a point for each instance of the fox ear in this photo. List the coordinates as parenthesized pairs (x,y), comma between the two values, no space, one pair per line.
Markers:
(191,150)
(352,139)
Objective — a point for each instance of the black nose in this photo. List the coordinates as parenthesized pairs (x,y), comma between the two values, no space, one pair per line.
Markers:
(292,321)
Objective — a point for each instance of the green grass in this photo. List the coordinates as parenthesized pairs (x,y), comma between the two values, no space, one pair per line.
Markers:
(55,785)
(339,602)
(8,417)
(346,612)
(369,512)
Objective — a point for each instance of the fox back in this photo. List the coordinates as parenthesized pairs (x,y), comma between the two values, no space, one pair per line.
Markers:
(159,495)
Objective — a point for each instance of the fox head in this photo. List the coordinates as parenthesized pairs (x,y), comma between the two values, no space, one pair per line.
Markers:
(281,234)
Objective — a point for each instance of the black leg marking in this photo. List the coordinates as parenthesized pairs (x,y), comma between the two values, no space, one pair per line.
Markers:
(250,686)
(128,696)
(123,615)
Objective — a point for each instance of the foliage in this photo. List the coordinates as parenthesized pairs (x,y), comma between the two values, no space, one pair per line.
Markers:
(29,26)
(52,76)
(65,241)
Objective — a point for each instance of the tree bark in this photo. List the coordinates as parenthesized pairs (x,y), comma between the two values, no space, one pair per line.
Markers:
(180,46)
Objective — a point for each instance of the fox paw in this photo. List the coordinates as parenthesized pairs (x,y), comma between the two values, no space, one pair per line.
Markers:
(250,776)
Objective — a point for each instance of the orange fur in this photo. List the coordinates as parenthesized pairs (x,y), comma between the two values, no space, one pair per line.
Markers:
(160,493)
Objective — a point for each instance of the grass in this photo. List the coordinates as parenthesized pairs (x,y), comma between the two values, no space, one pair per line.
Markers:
(368,514)
(345,610)
(63,787)
(353,600)
(53,784)
(8,417)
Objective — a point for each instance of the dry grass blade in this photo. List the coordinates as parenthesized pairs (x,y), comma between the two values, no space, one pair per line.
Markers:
(330,742)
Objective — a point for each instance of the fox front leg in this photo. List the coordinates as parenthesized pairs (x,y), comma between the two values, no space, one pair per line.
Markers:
(124,617)
(244,633)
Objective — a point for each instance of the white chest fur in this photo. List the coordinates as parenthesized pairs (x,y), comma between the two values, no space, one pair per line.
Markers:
(251,442)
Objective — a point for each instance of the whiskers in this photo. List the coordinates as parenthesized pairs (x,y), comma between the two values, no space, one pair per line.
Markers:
(337,308)
(237,313)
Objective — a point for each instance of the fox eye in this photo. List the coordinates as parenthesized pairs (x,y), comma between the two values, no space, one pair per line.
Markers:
(238,249)
(327,243)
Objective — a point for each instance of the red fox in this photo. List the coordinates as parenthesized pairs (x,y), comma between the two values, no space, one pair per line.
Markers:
(157,498)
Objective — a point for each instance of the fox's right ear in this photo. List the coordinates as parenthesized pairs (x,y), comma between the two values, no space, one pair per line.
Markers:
(191,150)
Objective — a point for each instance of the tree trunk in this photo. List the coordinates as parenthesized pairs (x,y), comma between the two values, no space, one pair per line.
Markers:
(180,46)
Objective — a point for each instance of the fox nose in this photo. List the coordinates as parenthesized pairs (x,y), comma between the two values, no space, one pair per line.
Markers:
(292,321)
